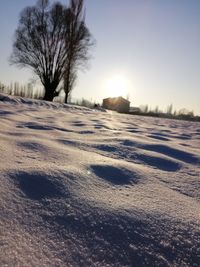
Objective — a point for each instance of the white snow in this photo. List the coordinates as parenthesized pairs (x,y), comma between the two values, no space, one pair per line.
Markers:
(81,187)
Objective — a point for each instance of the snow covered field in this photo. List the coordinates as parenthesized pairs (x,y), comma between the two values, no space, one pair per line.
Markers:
(81,187)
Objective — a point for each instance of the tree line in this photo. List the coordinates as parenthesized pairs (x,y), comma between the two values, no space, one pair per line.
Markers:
(23,90)
(182,114)
(53,41)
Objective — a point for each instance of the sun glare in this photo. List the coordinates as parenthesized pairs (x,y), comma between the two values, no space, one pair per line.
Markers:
(117,86)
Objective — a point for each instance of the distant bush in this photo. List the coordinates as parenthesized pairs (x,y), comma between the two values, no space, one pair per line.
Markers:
(84,102)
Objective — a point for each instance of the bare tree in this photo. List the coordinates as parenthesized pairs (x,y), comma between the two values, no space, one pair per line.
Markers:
(78,43)
(169,109)
(40,43)
(53,41)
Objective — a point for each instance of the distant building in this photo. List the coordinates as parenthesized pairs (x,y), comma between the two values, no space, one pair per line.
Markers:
(117,103)
(134,110)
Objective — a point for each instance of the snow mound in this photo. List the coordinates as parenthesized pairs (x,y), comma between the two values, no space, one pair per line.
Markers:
(34,103)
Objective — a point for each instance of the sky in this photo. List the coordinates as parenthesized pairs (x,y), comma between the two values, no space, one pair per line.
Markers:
(147,50)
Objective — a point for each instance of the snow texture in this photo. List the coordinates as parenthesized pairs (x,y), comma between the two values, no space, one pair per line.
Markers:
(81,187)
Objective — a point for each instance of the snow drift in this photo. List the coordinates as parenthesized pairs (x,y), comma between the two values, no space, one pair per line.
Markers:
(80,187)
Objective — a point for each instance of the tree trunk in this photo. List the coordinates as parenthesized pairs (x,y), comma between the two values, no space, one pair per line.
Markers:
(49,91)
(66,86)
(48,96)
(66,98)
(66,90)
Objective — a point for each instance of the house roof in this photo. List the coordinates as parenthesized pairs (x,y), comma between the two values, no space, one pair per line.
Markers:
(117,98)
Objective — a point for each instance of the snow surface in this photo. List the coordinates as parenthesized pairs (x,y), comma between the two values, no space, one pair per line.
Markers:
(81,187)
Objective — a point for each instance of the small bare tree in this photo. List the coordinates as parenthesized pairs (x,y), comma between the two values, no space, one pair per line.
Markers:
(40,43)
(169,109)
(78,42)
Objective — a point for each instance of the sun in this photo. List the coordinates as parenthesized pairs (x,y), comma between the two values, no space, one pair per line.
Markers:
(117,86)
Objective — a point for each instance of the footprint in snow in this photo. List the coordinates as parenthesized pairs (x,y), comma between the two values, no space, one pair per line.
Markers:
(159,163)
(35,126)
(114,175)
(158,137)
(78,124)
(173,153)
(38,186)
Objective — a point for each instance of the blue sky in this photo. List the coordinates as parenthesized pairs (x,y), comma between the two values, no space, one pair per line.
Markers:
(154,45)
